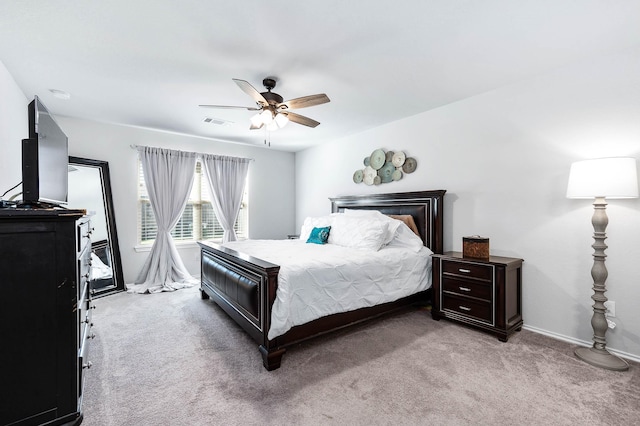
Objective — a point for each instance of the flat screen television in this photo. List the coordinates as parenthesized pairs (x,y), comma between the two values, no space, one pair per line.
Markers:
(45,160)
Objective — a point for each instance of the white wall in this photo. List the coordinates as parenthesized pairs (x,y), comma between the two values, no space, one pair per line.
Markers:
(271,175)
(504,159)
(271,186)
(13,128)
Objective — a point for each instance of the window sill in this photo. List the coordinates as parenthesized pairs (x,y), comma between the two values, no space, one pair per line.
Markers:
(141,248)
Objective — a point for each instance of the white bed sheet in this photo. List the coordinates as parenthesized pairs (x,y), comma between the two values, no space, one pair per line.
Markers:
(98,269)
(318,280)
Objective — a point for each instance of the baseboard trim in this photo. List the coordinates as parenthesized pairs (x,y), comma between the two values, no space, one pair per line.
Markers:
(579,342)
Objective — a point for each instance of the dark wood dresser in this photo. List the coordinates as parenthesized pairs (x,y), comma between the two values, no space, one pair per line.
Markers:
(45,315)
(486,294)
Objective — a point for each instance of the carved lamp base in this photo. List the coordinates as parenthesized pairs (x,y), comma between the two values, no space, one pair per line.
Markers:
(601,358)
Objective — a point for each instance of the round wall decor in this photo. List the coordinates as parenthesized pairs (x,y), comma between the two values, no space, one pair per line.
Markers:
(378,158)
(384,167)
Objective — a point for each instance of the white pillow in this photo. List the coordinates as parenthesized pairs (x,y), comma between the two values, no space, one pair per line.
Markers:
(406,238)
(315,222)
(358,232)
(392,224)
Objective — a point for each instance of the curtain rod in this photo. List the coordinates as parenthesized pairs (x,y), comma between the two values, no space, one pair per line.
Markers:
(133,146)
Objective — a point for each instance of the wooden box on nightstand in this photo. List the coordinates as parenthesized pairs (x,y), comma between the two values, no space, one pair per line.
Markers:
(486,294)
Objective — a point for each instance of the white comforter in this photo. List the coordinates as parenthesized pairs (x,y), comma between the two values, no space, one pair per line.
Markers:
(318,280)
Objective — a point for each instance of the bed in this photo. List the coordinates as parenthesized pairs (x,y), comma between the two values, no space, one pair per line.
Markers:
(246,286)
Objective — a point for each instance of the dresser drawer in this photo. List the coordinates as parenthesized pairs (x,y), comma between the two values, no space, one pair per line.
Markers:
(84,265)
(482,311)
(85,322)
(467,269)
(466,287)
(83,233)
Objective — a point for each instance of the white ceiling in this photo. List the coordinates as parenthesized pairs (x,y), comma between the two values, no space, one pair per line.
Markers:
(150,63)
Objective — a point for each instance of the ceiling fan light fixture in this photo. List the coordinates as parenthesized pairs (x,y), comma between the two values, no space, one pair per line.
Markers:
(266,116)
(273,126)
(281,120)
(256,121)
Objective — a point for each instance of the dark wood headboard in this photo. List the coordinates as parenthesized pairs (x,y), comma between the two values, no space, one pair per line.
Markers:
(424,206)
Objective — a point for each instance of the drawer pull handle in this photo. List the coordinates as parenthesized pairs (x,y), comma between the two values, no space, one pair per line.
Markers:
(464,308)
(466,271)
(464,289)
(87,365)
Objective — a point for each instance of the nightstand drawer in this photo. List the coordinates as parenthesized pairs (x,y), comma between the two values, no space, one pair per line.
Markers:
(466,287)
(467,269)
(469,308)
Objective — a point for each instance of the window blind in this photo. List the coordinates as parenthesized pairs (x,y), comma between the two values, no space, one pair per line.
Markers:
(198,221)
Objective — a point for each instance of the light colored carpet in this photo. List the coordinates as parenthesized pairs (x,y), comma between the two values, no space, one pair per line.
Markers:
(174,359)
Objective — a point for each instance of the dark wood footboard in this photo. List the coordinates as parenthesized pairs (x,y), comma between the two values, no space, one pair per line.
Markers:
(245,286)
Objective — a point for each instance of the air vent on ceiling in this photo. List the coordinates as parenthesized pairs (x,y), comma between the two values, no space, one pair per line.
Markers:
(217,121)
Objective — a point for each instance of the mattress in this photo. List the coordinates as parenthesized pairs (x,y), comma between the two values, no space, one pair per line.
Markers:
(317,280)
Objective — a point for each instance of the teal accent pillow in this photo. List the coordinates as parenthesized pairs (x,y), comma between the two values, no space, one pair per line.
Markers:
(319,235)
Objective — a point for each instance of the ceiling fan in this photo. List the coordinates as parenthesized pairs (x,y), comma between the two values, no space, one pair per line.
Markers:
(273,113)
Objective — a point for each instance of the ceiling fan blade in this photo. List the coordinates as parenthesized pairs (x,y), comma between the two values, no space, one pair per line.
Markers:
(254,127)
(301,119)
(231,107)
(251,91)
(305,101)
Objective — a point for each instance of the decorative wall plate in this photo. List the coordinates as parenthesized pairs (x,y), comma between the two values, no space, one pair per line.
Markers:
(370,172)
(377,159)
(389,156)
(410,165)
(358,175)
(397,174)
(398,159)
(368,180)
(386,172)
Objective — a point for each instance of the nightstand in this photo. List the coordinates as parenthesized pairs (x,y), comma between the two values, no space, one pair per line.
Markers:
(486,294)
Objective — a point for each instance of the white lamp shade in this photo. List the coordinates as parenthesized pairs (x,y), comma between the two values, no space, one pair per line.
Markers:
(273,126)
(266,116)
(256,121)
(603,177)
(281,120)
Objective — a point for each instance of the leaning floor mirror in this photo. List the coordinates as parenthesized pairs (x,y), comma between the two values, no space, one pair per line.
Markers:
(90,189)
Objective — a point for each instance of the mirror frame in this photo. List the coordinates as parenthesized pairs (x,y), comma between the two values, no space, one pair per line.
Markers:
(118,279)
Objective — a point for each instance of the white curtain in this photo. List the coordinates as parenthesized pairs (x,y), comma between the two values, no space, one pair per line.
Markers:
(168,175)
(226,177)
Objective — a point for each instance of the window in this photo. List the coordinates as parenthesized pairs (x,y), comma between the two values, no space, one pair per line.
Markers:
(198,221)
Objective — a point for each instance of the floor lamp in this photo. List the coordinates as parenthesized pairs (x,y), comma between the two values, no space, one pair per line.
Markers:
(600,179)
